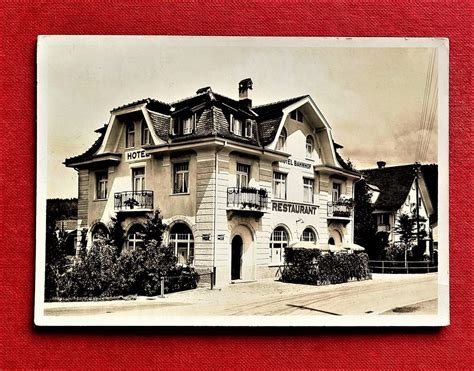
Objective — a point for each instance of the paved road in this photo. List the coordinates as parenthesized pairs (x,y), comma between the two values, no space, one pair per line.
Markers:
(269,297)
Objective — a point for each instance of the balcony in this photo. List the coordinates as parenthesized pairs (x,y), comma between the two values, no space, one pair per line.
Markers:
(383,228)
(133,201)
(340,210)
(247,201)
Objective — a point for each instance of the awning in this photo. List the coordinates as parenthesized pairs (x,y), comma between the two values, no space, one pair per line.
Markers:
(352,246)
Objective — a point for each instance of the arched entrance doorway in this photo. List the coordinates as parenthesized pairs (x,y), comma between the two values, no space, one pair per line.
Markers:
(236,258)
(335,238)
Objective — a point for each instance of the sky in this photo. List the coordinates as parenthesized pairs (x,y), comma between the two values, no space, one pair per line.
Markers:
(371,97)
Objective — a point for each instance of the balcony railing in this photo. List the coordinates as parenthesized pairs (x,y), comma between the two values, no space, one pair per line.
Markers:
(340,209)
(133,200)
(383,228)
(247,198)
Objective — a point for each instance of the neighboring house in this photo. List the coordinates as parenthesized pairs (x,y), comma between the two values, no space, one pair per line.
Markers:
(235,183)
(394,192)
(68,229)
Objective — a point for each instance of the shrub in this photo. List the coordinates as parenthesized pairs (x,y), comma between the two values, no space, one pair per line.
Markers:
(105,273)
(312,267)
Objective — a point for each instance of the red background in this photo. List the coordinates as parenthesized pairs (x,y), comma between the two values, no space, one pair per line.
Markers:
(24,346)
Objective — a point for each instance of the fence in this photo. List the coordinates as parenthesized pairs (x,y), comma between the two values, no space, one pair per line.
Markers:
(167,281)
(389,266)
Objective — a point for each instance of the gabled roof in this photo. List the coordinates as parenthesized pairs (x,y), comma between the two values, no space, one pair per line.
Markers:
(275,109)
(395,182)
(269,117)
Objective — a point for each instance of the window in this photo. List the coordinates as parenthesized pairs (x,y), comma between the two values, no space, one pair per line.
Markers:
(282,139)
(336,191)
(145,134)
(184,126)
(243,174)
(235,125)
(138,179)
(181,178)
(309,146)
(182,239)
(130,135)
(248,129)
(383,219)
(278,242)
(308,235)
(101,185)
(135,236)
(99,232)
(279,185)
(308,190)
(188,125)
(296,115)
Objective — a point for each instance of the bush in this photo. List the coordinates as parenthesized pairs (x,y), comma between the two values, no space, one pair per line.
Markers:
(103,272)
(311,267)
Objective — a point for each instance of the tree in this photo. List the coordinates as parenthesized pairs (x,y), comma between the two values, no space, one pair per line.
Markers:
(405,229)
(117,234)
(365,229)
(154,228)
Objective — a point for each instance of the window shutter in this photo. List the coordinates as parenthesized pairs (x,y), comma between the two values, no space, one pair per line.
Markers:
(231,123)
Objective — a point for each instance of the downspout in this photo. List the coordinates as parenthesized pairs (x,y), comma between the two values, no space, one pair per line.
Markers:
(353,200)
(216,169)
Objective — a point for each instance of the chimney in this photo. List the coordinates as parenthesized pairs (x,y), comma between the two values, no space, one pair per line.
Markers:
(244,86)
(381,164)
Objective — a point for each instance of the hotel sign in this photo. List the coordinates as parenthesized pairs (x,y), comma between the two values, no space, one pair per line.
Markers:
(290,207)
(135,155)
(296,163)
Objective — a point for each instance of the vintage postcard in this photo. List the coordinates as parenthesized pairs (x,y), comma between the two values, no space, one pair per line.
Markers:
(242,181)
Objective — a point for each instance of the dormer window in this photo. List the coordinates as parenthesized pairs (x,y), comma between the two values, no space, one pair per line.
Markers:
(130,135)
(296,115)
(145,134)
(185,125)
(248,129)
(235,125)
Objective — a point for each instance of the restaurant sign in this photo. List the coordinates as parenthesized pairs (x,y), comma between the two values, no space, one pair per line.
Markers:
(290,207)
(135,155)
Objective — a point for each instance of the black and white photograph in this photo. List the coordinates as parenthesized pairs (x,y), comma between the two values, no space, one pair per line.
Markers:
(242,181)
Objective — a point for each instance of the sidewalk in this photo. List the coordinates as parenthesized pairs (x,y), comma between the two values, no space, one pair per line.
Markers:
(270,297)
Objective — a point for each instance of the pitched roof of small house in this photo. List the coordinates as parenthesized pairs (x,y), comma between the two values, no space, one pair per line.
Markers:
(394,183)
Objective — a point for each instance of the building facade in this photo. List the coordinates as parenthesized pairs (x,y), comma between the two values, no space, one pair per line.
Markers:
(235,183)
(407,189)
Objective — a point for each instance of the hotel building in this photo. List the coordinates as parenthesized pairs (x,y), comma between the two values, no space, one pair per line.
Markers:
(235,183)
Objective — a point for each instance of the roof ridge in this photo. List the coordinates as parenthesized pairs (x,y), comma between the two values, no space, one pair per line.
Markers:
(388,167)
(139,101)
(280,101)
(190,97)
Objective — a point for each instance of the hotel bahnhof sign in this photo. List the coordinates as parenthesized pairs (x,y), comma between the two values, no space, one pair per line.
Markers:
(135,155)
(291,207)
(298,163)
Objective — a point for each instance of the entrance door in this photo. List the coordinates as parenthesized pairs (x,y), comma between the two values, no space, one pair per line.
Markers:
(236,258)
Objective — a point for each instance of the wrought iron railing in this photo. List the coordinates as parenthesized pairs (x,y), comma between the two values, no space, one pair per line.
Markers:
(342,209)
(400,266)
(133,200)
(247,198)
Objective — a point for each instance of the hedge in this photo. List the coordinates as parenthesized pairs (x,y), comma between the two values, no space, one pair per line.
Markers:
(103,272)
(310,266)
